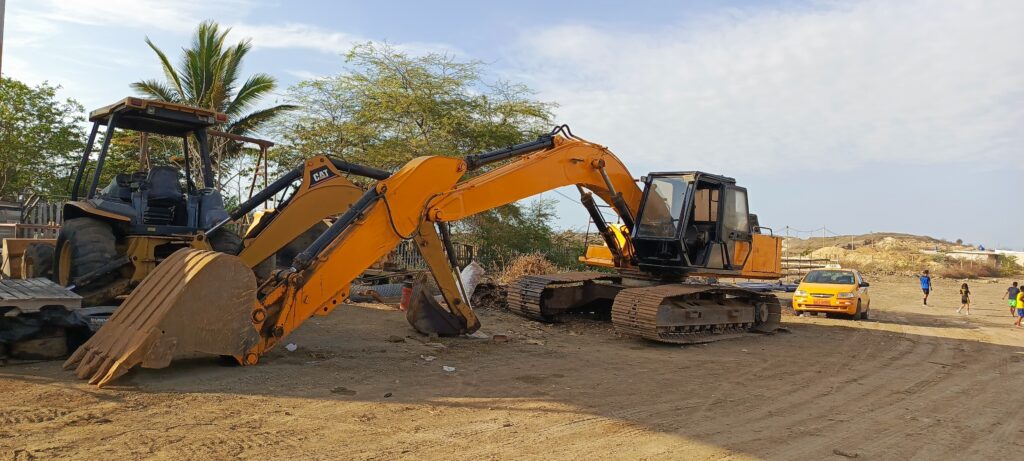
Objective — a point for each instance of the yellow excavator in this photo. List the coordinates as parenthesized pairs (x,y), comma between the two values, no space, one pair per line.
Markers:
(679,225)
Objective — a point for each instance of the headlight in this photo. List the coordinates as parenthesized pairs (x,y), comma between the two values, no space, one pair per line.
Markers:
(847,295)
(799,293)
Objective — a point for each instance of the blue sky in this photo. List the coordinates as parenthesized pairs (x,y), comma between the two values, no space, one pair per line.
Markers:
(860,116)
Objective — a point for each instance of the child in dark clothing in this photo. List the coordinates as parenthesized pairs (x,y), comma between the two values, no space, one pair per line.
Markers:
(965,298)
(926,285)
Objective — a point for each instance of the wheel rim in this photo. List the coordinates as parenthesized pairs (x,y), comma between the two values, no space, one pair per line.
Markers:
(64,265)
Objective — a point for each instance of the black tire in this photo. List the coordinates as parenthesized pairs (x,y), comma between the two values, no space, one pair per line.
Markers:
(225,241)
(83,246)
(859,314)
(37,261)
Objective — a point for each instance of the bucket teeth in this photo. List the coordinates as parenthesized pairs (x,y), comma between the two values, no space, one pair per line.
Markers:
(195,301)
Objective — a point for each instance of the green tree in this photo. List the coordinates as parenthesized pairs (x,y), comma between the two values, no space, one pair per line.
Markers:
(40,138)
(208,75)
(389,107)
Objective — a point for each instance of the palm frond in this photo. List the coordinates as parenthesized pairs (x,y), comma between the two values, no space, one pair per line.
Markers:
(254,120)
(168,69)
(156,89)
(251,91)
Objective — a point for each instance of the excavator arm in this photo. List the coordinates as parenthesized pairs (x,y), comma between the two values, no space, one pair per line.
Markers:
(426,191)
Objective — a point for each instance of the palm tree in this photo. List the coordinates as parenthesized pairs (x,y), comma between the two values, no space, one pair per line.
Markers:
(208,76)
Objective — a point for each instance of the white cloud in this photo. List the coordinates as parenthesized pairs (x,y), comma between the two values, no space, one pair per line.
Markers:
(170,15)
(181,16)
(910,81)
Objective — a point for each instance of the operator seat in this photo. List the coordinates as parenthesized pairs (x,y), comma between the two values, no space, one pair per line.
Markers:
(164,196)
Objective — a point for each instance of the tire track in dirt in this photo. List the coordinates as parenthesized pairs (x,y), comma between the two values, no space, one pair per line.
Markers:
(892,397)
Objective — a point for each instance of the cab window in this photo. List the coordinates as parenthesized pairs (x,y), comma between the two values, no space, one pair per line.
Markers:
(663,207)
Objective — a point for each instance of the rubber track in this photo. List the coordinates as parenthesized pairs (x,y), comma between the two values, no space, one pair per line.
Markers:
(635,313)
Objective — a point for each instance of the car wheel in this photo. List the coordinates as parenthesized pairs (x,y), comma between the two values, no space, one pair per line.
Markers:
(859,314)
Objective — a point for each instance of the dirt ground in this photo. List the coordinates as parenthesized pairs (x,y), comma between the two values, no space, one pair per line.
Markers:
(913,383)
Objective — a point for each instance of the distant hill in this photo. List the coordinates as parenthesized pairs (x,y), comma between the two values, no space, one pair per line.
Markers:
(895,253)
(799,246)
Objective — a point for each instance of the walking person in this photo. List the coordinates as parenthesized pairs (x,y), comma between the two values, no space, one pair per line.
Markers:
(926,285)
(965,298)
(1011,294)
(1020,307)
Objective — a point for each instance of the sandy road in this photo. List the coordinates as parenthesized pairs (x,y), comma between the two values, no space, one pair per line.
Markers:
(915,383)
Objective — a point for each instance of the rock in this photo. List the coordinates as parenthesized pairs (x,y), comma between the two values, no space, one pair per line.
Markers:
(842,453)
(395,339)
(436,345)
(386,395)
(535,342)
(428,358)
(447,368)
(291,347)
(499,338)
(41,348)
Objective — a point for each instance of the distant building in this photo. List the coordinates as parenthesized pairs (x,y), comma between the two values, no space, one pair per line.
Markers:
(1018,255)
(990,258)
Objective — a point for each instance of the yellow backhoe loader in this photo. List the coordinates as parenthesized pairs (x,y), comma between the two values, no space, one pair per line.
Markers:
(114,237)
(203,301)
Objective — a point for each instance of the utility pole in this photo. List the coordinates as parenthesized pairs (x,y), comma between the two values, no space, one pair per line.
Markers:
(3,6)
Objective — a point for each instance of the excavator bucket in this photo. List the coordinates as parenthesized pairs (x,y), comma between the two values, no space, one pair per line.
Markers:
(194,301)
(428,316)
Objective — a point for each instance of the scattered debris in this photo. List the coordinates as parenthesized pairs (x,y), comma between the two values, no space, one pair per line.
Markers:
(535,342)
(499,338)
(291,347)
(395,339)
(435,345)
(490,296)
(343,391)
(447,368)
(387,395)
(428,358)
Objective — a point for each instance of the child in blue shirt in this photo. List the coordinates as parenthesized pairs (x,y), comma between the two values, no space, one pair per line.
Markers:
(926,285)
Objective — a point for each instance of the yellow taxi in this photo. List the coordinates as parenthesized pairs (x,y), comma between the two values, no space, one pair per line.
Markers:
(833,291)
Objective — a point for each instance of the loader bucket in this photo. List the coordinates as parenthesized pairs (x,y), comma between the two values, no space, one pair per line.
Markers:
(427,315)
(195,301)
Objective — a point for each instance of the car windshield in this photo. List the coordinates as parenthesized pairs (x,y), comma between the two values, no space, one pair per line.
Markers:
(833,277)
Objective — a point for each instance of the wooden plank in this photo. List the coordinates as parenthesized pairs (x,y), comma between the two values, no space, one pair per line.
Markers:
(33,294)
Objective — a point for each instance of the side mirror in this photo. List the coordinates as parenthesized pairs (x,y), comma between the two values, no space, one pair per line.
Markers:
(864,284)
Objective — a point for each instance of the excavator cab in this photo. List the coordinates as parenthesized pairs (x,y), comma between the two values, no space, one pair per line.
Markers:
(692,222)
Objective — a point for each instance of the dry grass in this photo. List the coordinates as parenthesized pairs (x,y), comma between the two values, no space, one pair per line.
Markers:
(528,264)
(968,272)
